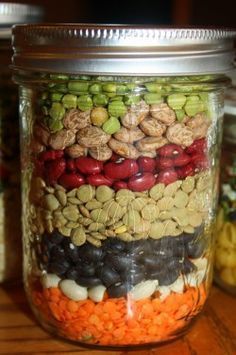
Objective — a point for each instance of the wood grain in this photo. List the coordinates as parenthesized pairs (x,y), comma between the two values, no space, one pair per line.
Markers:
(214,332)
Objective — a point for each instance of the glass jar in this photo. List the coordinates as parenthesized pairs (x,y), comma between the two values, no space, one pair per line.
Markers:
(121,130)
(10,202)
(225,258)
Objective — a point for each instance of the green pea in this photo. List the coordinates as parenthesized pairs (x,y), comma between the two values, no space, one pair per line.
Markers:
(131,86)
(44,95)
(95,88)
(194,105)
(111,126)
(153,87)
(121,89)
(111,87)
(55,125)
(56,96)
(59,77)
(57,111)
(45,110)
(131,99)
(176,101)
(100,100)
(116,98)
(69,101)
(78,86)
(117,109)
(180,114)
(84,102)
(60,88)
(151,98)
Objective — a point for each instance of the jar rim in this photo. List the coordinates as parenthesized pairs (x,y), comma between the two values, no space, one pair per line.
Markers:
(122,49)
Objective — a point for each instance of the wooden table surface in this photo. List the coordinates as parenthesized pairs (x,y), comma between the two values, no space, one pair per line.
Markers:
(214,332)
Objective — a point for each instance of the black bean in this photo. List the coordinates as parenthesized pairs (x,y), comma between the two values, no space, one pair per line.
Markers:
(59,268)
(187,267)
(57,253)
(114,245)
(88,281)
(72,274)
(86,269)
(90,253)
(109,276)
(119,262)
(165,276)
(119,290)
(71,252)
(55,237)
(133,278)
(196,249)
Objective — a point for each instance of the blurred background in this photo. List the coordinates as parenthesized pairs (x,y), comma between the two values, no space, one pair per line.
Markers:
(160,12)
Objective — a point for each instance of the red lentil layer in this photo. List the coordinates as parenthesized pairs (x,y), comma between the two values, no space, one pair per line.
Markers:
(119,321)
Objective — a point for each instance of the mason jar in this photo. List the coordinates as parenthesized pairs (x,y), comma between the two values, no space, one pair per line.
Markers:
(10,203)
(120,137)
(225,258)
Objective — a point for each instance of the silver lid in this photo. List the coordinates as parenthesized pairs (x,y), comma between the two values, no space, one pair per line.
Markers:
(12,13)
(122,49)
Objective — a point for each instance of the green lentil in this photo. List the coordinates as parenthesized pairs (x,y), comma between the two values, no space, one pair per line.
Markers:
(157,191)
(93,204)
(85,193)
(78,236)
(124,197)
(150,212)
(132,219)
(138,203)
(71,213)
(83,210)
(50,202)
(99,215)
(95,226)
(104,193)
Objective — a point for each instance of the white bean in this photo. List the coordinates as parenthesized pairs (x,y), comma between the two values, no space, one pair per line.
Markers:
(144,289)
(96,293)
(50,280)
(73,291)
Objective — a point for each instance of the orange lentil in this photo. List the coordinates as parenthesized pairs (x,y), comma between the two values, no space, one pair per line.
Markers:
(72,306)
(119,321)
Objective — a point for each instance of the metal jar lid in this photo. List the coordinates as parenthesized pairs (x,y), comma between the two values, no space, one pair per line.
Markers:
(12,13)
(122,49)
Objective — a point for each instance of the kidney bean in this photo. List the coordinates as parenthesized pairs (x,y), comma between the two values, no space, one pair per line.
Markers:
(70,165)
(146,164)
(167,176)
(121,170)
(200,161)
(141,182)
(170,150)
(87,165)
(51,155)
(99,179)
(39,168)
(54,169)
(198,146)
(184,171)
(115,157)
(181,159)
(72,180)
(120,185)
(164,163)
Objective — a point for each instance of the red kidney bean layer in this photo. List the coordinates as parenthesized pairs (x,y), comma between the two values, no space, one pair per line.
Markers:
(172,163)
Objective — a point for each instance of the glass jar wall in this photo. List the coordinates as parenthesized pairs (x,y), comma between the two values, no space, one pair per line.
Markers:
(10,200)
(120,177)
(225,259)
